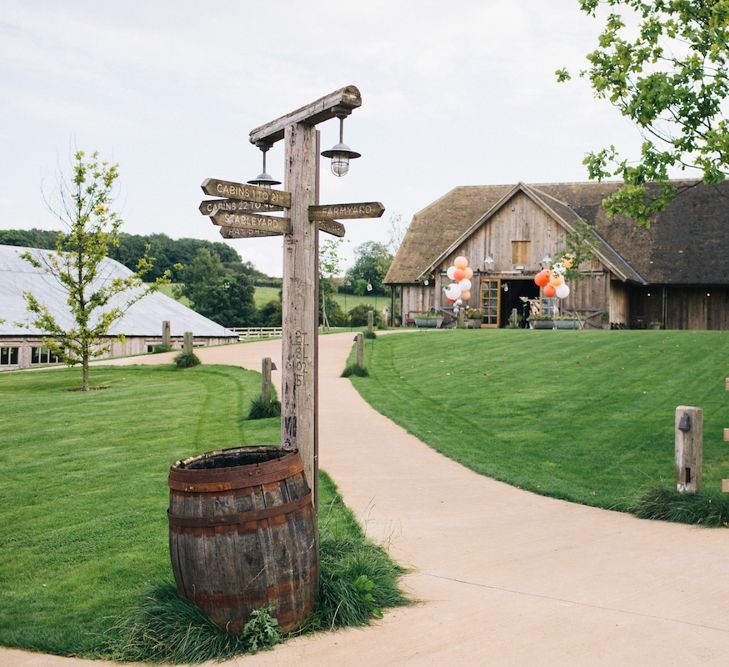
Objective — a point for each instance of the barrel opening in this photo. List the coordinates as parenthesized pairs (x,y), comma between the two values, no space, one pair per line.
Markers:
(232,458)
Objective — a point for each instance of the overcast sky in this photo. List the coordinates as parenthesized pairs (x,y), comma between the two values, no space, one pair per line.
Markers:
(454,93)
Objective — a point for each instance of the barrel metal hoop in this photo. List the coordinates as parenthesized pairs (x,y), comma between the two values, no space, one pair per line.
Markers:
(241,518)
(207,481)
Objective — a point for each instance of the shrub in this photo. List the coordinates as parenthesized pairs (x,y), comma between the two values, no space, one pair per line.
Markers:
(354,369)
(370,334)
(187,360)
(669,505)
(157,349)
(263,409)
(358,315)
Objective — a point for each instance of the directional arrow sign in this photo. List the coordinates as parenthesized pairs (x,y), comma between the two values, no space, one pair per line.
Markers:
(370,209)
(264,223)
(211,206)
(332,227)
(237,233)
(245,192)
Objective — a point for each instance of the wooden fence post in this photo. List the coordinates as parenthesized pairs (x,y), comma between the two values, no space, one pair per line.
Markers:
(166,334)
(266,366)
(370,321)
(461,318)
(360,350)
(188,343)
(689,448)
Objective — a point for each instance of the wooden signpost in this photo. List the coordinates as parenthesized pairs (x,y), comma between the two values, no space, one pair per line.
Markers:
(300,229)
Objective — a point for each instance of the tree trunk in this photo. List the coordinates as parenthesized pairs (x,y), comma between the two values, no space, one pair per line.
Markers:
(85,369)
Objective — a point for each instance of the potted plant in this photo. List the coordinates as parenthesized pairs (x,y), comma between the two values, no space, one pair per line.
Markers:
(474,317)
(429,320)
(567,322)
(541,322)
(654,325)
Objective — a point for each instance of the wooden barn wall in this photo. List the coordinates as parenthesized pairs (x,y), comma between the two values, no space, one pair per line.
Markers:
(619,306)
(681,307)
(416,299)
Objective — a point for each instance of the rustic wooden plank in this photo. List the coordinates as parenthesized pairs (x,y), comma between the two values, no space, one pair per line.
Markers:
(360,350)
(357,211)
(370,322)
(265,223)
(245,192)
(237,233)
(689,448)
(726,435)
(266,366)
(322,109)
(166,334)
(188,343)
(725,485)
(299,305)
(212,206)
(332,227)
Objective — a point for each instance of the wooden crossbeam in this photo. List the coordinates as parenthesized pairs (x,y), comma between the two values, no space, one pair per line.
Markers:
(317,112)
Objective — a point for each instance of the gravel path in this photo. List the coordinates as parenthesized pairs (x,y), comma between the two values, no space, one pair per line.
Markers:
(503,576)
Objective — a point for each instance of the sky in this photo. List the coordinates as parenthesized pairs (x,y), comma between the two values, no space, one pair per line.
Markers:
(453,93)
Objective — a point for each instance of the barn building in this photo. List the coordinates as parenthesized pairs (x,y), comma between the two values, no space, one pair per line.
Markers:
(21,345)
(675,274)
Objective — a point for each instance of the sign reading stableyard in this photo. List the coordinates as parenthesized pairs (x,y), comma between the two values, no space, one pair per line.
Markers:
(264,223)
(246,192)
(332,227)
(238,233)
(371,209)
(211,206)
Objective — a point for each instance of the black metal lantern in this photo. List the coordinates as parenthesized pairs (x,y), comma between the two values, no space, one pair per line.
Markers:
(264,179)
(340,153)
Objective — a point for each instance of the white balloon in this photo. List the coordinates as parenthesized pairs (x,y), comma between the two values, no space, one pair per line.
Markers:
(563,291)
(465,285)
(451,271)
(452,291)
(459,302)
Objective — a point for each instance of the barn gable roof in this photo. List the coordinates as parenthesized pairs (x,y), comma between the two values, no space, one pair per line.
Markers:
(688,244)
(144,318)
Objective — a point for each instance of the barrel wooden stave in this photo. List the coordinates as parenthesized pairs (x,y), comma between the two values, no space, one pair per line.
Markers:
(230,570)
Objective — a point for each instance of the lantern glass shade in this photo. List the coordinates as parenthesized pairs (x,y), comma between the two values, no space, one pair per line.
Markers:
(340,154)
(264,180)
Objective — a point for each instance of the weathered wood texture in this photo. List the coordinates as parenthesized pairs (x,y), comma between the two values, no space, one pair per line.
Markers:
(370,209)
(689,448)
(188,343)
(360,350)
(242,535)
(266,366)
(166,334)
(238,233)
(243,191)
(370,321)
(725,485)
(726,435)
(619,303)
(299,305)
(316,112)
(265,223)
(212,206)
(681,307)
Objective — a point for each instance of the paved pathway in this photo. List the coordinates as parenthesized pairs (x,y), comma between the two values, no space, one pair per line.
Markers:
(505,577)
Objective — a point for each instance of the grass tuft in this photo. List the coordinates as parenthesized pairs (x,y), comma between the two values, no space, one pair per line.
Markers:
(354,369)
(187,360)
(371,335)
(263,409)
(669,505)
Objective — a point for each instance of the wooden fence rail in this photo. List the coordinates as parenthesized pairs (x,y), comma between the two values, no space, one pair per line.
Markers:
(244,333)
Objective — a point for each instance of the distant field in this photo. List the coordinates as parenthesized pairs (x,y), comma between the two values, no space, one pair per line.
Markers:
(265,294)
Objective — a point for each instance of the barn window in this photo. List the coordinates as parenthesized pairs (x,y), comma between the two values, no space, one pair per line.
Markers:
(521,252)
(8,356)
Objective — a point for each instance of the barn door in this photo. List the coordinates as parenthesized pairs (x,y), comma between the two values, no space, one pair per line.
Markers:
(491,301)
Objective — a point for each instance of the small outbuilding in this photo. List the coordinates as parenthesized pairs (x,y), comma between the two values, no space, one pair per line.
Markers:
(21,345)
(674,275)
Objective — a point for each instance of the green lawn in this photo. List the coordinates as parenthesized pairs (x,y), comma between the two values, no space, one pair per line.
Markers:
(583,415)
(84,494)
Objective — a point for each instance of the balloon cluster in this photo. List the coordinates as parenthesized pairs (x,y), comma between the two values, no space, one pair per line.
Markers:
(460,289)
(552,280)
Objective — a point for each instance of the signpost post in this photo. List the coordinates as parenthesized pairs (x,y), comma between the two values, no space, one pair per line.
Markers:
(244,211)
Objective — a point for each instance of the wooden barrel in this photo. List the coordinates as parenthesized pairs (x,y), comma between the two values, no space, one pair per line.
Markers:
(243,535)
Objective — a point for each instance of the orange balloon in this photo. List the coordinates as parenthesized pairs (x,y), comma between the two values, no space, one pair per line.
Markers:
(469,272)
(549,291)
(465,296)
(460,262)
(542,278)
(555,280)
(458,275)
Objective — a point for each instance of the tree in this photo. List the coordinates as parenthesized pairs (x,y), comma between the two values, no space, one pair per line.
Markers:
(670,76)
(216,293)
(329,266)
(95,301)
(372,260)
